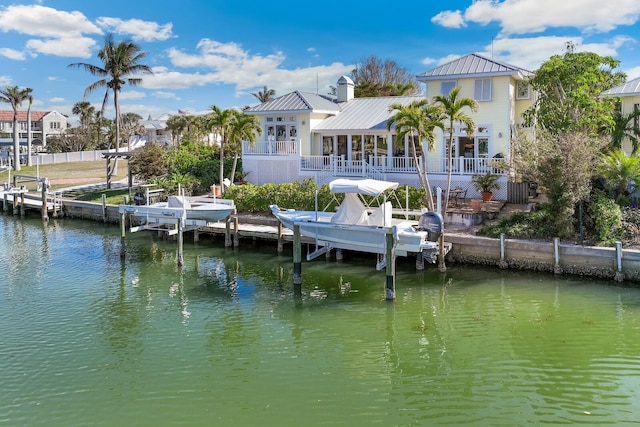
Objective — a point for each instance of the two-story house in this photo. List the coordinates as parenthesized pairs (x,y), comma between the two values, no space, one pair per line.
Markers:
(308,135)
(43,125)
(629,95)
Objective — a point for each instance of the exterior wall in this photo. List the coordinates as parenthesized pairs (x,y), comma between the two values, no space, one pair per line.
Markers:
(275,170)
(628,103)
(495,114)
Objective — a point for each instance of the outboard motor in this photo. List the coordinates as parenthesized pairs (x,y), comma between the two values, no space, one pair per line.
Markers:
(432,223)
(140,198)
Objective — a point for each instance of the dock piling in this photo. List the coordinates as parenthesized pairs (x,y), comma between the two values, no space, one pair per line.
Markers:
(297,260)
(390,290)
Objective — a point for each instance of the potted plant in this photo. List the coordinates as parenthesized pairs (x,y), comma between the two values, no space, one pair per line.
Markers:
(485,184)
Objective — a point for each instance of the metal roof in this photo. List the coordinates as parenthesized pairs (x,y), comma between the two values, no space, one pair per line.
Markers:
(364,113)
(472,65)
(630,88)
(297,102)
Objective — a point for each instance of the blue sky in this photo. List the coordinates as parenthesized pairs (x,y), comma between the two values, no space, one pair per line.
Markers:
(217,52)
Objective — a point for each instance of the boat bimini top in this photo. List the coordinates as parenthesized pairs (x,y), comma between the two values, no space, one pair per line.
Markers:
(369,187)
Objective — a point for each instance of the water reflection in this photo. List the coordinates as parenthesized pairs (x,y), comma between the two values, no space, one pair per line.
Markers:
(140,338)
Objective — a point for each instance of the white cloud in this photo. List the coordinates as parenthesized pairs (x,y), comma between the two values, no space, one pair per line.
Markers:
(5,81)
(530,52)
(166,95)
(139,29)
(69,47)
(449,19)
(633,73)
(44,21)
(428,61)
(228,63)
(13,54)
(530,16)
(131,94)
(448,58)
(61,32)
(56,100)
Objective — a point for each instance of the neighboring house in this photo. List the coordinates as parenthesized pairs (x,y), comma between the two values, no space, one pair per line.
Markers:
(43,125)
(629,95)
(155,131)
(307,135)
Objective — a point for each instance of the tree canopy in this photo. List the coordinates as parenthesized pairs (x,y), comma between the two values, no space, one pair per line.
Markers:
(569,88)
(375,77)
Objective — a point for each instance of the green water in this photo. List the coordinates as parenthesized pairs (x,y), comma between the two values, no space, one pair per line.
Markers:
(87,338)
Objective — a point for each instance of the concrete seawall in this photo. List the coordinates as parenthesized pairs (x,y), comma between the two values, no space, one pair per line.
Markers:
(615,263)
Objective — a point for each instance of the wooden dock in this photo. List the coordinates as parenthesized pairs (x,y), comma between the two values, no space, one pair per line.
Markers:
(19,200)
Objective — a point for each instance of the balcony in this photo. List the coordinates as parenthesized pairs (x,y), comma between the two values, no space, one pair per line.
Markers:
(371,165)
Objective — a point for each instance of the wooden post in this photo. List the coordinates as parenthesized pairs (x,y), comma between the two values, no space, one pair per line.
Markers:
(104,207)
(390,291)
(180,243)
(5,207)
(22,206)
(227,232)
(236,232)
(280,238)
(123,227)
(419,261)
(556,256)
(441,265)
(15,203)
(45,213)
(297,260)
(196,235)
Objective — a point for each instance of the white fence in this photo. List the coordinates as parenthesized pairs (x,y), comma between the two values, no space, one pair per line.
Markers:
(76,156)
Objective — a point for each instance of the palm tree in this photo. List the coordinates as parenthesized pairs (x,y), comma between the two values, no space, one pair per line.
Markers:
(176,125)
(84,110)
(14,96)
(29,97)
(619,170)
(246,127)
(120,62)
(452,108)
(265,94)
(625,127)
(418,120)
(220,123)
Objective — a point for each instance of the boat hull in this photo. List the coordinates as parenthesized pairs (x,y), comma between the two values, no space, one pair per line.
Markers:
(362,238)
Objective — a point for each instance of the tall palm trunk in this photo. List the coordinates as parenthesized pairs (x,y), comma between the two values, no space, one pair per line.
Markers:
(450,163)
(16,141)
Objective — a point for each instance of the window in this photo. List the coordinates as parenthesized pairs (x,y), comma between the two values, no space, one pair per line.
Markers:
(522,90)
(447,86)
(482,90)
(54,125)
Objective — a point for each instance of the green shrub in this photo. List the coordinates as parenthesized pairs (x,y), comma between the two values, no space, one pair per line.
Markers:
(538,224)
(606,217)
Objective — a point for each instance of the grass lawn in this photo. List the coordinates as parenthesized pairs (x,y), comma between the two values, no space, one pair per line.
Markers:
(65,175)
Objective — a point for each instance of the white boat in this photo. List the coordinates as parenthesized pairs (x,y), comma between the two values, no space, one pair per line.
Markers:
(186,208)
(359,227)
(199,208)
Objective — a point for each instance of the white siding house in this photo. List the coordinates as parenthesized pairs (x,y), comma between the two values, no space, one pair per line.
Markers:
(307,135)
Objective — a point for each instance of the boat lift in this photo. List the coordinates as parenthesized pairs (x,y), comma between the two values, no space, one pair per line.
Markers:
(172,221)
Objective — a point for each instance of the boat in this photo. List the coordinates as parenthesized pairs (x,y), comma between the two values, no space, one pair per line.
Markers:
(356,226)
(199,208)
(185,207)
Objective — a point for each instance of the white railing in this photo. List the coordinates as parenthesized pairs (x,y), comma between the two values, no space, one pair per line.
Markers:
(339,165)
(270,148)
